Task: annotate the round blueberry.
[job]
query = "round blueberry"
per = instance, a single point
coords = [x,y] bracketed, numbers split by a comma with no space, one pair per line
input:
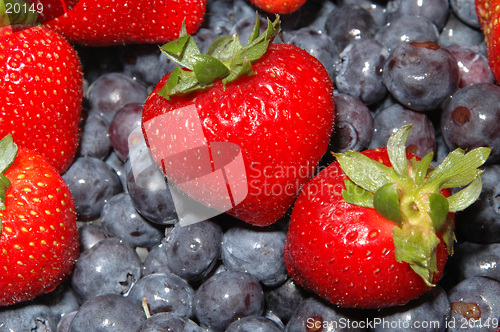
[471,119]
[90,234]
[156,260]
[314,314]
[27,317]
[254,324]
[480,222]
[347,23]
[166,321]
[359,72]
[125,120]
[466,11]
[406,29]
[353,124]
[457,32]
[108,313]
[193,250]
[429,312]
[258,251]
[421,75]
[422,137]
[474,67]
[164,292]
[94,139]
[284,299]
[110,266]
[91,182]
[435,10]
[111,91]
[475,305]
[226,297]
[120,219]
[475,260]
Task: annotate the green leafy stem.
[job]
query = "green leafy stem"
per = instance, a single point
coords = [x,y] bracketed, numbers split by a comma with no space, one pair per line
[226,59]
[13,12]
[8,153]
[409,194]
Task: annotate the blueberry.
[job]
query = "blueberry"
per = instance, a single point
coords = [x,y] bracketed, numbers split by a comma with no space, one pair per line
[193,250]
[405,29]
[376,8]
[422,137]
[474,67]
[125,120]
[148,188]
[111,91]
[114,161]
[156,261]
[435,10]
[226,297]
[166,321]
[90,234]
[471,118]
[480,222]
[353,124]
[359,72]
[61,301]
[65,322]
[120,219]
[110,266]
[258,251]
[253,324]
[475,260]
[108,313]
[317,44]
[284,299]
[314,314]
[475,305]
[91,182]
[347,23]
[466,11]
[429,312]
[421,75]
[27,316]
[94,140]
[164,292]
[457,32]
[143,63]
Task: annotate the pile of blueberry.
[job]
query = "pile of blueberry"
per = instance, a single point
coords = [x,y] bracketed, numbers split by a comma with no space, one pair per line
[393,62]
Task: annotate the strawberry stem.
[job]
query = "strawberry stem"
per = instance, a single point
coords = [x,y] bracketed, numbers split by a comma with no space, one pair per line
[409,193]
[226,59]
[16,12]
[8,152]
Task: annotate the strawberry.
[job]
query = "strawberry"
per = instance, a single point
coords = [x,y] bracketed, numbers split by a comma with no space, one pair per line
[40,93]
[279,6]
[100,23]
[488,12]
[39,238]
[274,102]
[374,229]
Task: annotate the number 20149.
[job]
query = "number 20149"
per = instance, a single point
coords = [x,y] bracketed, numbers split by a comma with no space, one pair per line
[16,8]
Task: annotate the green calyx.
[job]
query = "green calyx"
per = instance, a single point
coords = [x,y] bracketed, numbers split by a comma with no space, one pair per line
[8,152]
[409,193]
[17,12]
[226,59]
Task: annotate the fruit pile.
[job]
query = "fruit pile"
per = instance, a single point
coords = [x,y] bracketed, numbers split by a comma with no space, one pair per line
[193,166]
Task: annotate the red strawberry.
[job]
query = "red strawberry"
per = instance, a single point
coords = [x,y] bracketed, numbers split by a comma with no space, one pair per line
[39,238]
[274,103]
[98,23]
[374,229]
[488,12]
[279,6]
[40,93]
